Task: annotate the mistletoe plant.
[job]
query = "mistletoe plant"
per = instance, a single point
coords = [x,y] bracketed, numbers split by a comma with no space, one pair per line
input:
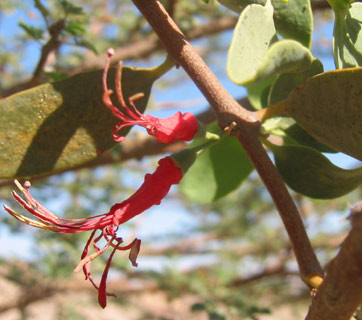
[313,111]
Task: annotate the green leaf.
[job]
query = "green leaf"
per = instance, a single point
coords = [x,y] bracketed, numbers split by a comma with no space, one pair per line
[251,58]
[43,10]
[286,83]
[64,124]
[340,5]
[258,92]
[308,172]
[198,307]
[219,170]
[294,20]
[74,28]
[239,5]
[33,32]
[213,315]
[56,75]
[252,37]
[298,134]
[86,44]
[292,133]
[280,90]
[284,56]
[70,8]
[347,37]
[329,107]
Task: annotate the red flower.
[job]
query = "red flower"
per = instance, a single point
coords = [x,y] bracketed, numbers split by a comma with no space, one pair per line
[177,127]
[154,188]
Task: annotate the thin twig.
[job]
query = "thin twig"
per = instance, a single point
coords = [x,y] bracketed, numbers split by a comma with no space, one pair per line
[227,111]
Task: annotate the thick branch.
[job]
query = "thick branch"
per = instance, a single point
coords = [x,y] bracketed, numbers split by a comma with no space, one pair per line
[227,111]
[340,294]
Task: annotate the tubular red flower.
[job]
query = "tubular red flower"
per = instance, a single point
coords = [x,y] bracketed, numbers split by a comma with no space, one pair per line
[154,188]
[177,127]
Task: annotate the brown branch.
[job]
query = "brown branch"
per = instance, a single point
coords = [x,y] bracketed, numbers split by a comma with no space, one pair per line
[340,294]
[227,111]
[52,45]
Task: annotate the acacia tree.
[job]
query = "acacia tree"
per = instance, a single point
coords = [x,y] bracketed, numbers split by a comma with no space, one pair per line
[270,55]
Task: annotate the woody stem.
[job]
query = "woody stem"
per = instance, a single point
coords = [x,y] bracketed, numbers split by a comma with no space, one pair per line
[227,110]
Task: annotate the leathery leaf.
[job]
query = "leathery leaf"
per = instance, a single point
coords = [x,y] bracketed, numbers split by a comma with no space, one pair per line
[61,125]
[293,18]
[219,170]
[252,37]
[308,172]
[347,35]
[329,107]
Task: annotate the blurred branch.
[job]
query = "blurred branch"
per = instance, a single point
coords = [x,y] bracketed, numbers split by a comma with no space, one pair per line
[52,45]
[140,49]
[150,44]
[269,270]
[340,293]
[193,246]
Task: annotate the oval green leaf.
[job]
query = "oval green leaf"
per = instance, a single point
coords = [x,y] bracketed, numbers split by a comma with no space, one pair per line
[252,37]
[299,135]
[61,125]
[219,170]
[329,107]
[293,18]
[347,36]
[292,133]
[286,83]
[239,5]
[308,172]
[258,92]
[284,56]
